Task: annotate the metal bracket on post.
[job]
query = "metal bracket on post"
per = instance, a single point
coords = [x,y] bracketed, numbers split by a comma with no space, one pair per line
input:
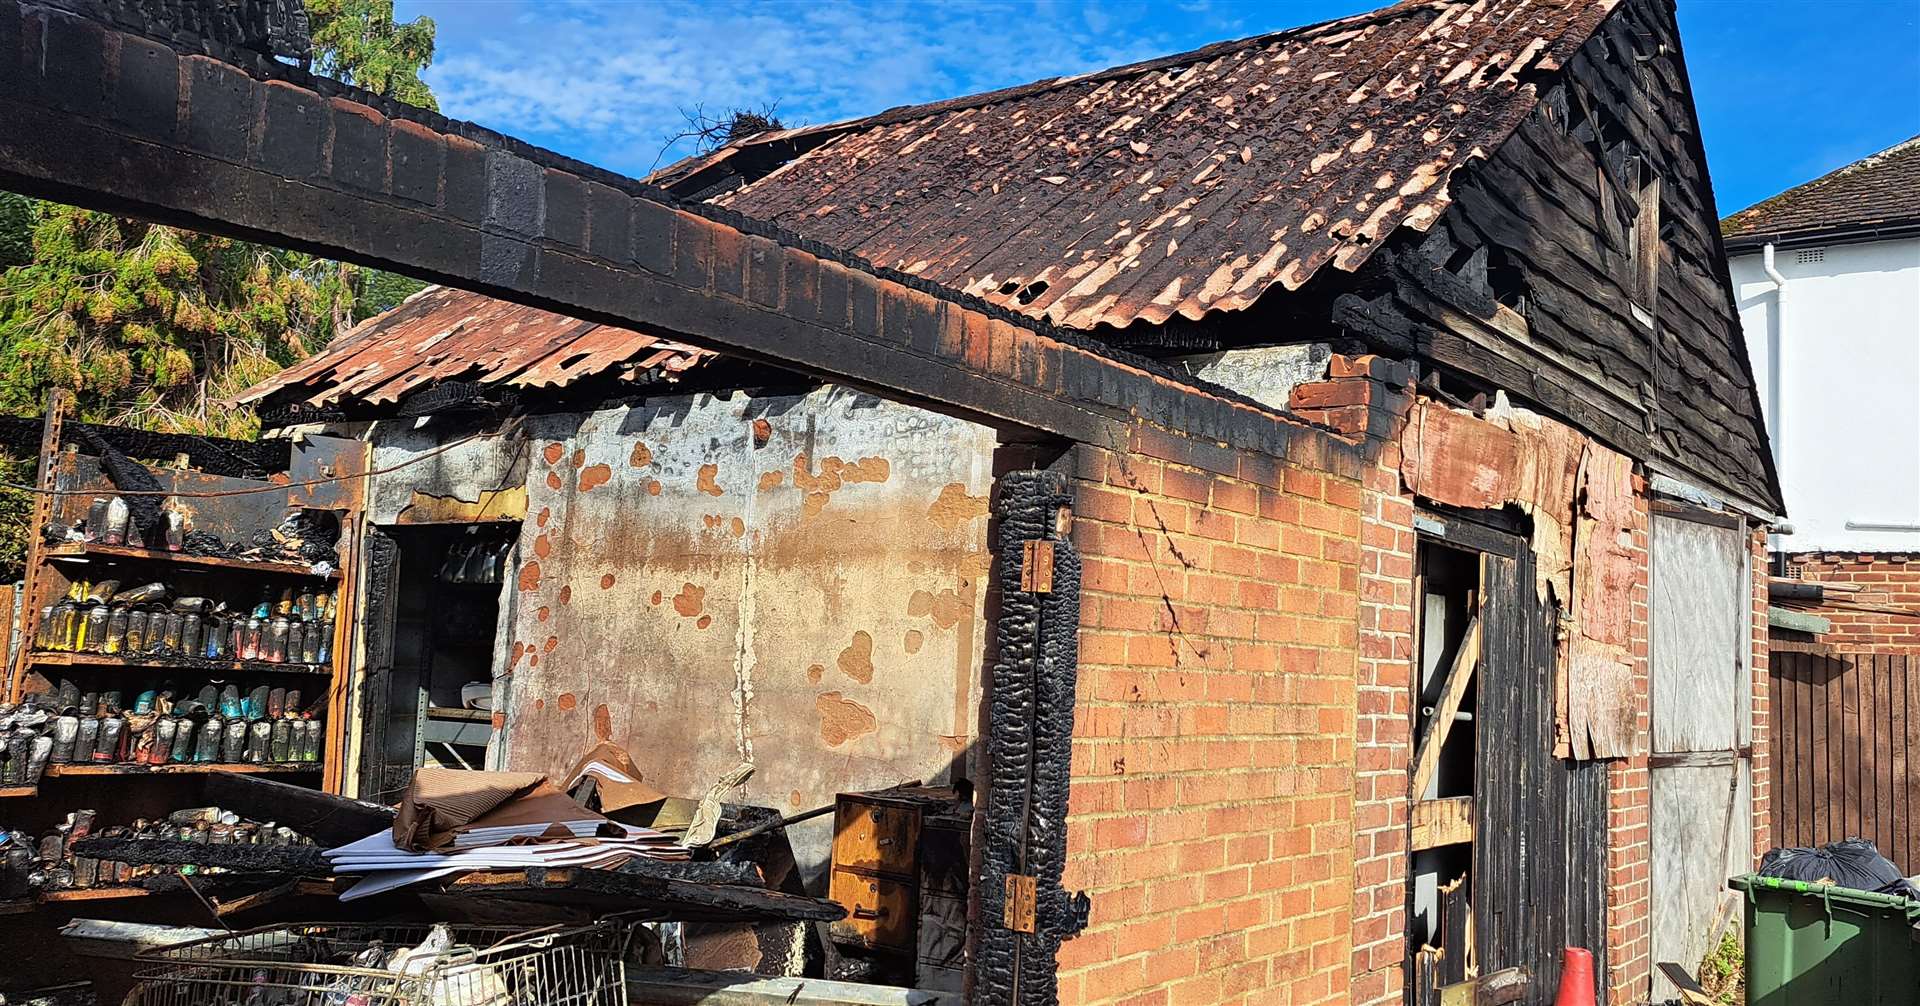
[1022,902]
[1036,566]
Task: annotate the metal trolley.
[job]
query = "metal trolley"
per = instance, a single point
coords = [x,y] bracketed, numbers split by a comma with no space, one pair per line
[344,964]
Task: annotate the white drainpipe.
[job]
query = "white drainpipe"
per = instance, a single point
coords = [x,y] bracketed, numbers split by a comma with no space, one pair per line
[1776,344]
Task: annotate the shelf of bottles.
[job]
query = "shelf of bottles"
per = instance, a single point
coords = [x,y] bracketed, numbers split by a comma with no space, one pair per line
[100,622]
[178,678]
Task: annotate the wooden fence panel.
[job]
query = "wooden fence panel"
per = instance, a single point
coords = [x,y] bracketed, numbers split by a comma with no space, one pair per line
[1845,730]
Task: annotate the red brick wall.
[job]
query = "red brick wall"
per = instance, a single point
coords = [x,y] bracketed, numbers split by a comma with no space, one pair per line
[1629,802]
[1383,736]
[1886,580]
[1212,806]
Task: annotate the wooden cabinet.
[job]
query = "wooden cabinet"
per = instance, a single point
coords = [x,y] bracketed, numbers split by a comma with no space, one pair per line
[900,868]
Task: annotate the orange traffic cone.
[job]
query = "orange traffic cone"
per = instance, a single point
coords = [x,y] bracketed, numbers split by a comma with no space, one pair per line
[1576,978]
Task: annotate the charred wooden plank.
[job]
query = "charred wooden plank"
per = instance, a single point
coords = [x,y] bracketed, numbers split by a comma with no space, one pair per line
[327,819]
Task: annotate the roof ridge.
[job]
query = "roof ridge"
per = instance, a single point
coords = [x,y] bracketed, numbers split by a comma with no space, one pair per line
[1872,160]
[1211,50]
[982,99]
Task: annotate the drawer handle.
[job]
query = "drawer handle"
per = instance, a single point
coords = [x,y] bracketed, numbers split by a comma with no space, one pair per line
[870,913]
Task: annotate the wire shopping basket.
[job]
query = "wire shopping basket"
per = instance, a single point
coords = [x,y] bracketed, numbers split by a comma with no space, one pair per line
[359,964]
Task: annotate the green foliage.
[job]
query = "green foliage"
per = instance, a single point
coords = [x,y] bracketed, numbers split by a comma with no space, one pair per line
[1724,973]
[359,42]
[157,327]
[16,230]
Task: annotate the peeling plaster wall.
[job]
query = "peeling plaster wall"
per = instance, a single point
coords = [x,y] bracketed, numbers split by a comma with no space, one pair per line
[793,581]
[479,479]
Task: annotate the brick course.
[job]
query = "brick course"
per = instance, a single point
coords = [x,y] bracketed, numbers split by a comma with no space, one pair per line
[1887,580]
[1212,809]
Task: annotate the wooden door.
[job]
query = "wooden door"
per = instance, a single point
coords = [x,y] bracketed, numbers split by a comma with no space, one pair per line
[1701,815]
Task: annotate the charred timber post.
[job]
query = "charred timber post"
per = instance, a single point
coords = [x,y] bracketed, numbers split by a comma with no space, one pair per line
[1029,744]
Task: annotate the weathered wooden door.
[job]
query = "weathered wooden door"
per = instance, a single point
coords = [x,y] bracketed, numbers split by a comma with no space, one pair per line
[1701,821]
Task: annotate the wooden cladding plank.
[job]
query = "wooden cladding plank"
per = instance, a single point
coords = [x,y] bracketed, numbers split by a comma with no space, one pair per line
[1427,759]
[1906,771]
[1447,821]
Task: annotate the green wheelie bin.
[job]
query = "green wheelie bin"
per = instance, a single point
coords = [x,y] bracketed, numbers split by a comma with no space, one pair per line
[1820,945]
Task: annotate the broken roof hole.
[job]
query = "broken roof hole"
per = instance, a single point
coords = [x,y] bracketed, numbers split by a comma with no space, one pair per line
[1032,291]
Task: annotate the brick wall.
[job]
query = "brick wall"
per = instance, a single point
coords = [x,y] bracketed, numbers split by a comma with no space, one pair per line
[1383,736]
[1629,804]
[1886,580]
[1212,809]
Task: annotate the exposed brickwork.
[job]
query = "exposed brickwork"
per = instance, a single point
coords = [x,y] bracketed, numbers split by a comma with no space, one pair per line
[1887,580]
[1212,815]
[1630,806]
[1383,735]
[1362,396]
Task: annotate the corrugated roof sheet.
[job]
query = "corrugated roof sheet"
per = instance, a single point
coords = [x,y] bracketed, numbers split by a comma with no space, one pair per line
[1183,185]
[1871,192]
[442,334]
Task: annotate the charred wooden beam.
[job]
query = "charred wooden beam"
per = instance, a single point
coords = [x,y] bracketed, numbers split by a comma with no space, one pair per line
[327,819]
[20,436]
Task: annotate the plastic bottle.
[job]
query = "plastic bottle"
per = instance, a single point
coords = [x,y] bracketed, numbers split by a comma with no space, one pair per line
[116,523]
[164,730]
[170,641]
[259,742]
[277,640]
[97,518]
[94,635]
[310,643]
[234,748]
[137,628]
[176,529]
[182,741]
[116,630]
[208,747]
[250,649]
[191,642]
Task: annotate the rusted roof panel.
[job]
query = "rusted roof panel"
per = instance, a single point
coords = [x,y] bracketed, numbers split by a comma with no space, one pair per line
[1187,184]
[442,334]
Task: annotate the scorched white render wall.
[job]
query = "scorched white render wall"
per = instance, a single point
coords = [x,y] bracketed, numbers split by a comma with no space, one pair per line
[1844,414]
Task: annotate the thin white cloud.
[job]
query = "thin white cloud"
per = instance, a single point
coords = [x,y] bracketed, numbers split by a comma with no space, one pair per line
[607,82]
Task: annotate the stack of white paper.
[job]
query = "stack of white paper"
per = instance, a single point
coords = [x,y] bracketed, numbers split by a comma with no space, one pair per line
[505,847]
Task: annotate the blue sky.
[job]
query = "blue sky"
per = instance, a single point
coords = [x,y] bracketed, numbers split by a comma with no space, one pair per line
[1787,90]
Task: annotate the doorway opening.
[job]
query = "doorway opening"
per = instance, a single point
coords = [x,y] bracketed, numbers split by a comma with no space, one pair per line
[430,687]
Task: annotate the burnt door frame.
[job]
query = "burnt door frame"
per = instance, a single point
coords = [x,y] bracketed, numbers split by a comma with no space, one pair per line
[1023,912]
[1539,870]
[380,577]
